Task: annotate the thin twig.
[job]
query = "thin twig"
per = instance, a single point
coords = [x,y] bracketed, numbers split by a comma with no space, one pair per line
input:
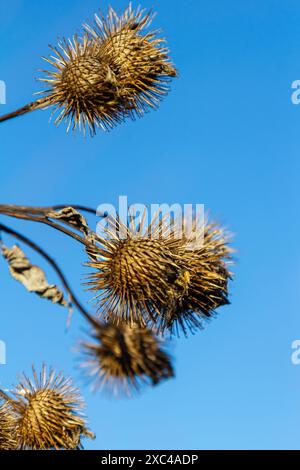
[44,220]
[45,209]
[40,103]
[43,213]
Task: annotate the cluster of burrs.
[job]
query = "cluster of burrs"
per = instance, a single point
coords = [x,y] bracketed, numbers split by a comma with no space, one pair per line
[148,280]
[116,69]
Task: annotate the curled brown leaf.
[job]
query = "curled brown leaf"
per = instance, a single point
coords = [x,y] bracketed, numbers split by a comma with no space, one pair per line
[32,277]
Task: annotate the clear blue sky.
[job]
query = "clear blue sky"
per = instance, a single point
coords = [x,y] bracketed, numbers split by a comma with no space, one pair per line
[227,137]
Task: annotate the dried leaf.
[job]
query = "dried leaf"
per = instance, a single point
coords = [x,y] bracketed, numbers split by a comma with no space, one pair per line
[32,277]
[72,217]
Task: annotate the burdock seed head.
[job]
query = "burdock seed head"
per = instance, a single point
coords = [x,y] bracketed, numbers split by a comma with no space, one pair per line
[137,58]
[48,412]
[161,279]
[82,87]
[202,283]
[114,71]
[133,271]
[8,438]
[124,357]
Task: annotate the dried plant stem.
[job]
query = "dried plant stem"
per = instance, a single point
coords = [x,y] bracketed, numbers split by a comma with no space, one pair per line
[54,265]
[39,214]
[44,220]
[40,103]
[42,210]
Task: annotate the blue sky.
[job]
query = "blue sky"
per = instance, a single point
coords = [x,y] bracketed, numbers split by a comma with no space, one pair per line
[227,137]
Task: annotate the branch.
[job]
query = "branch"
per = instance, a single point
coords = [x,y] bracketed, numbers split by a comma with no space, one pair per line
[43,220]
[45,209]
[42,215]
[40,103]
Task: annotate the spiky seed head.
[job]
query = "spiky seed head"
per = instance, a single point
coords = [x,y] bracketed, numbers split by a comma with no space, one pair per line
[138,58]
[114,71]
[202,283]
[8,438]
[124,357]
[133,272]
[48,412]
[161,279]
[82,87]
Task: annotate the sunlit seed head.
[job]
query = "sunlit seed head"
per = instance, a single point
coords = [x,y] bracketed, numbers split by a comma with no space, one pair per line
[115,70]
[167,283]
[131,276]
[139,58]
[48,412]
[202,284]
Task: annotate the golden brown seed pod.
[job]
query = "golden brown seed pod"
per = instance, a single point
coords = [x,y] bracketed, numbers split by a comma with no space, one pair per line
[124,357]
[137,58]
[48,412]
[114,71]
[133,270]
[82,87]
[162,278]
[8,438]
[202,283]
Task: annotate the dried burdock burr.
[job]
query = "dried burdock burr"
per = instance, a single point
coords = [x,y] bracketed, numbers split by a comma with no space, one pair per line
[82,87]
[137,59]
[48,413]
[132,271]
[8,438]
[161,278]
[125,357]
[115,70]
[202,282]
